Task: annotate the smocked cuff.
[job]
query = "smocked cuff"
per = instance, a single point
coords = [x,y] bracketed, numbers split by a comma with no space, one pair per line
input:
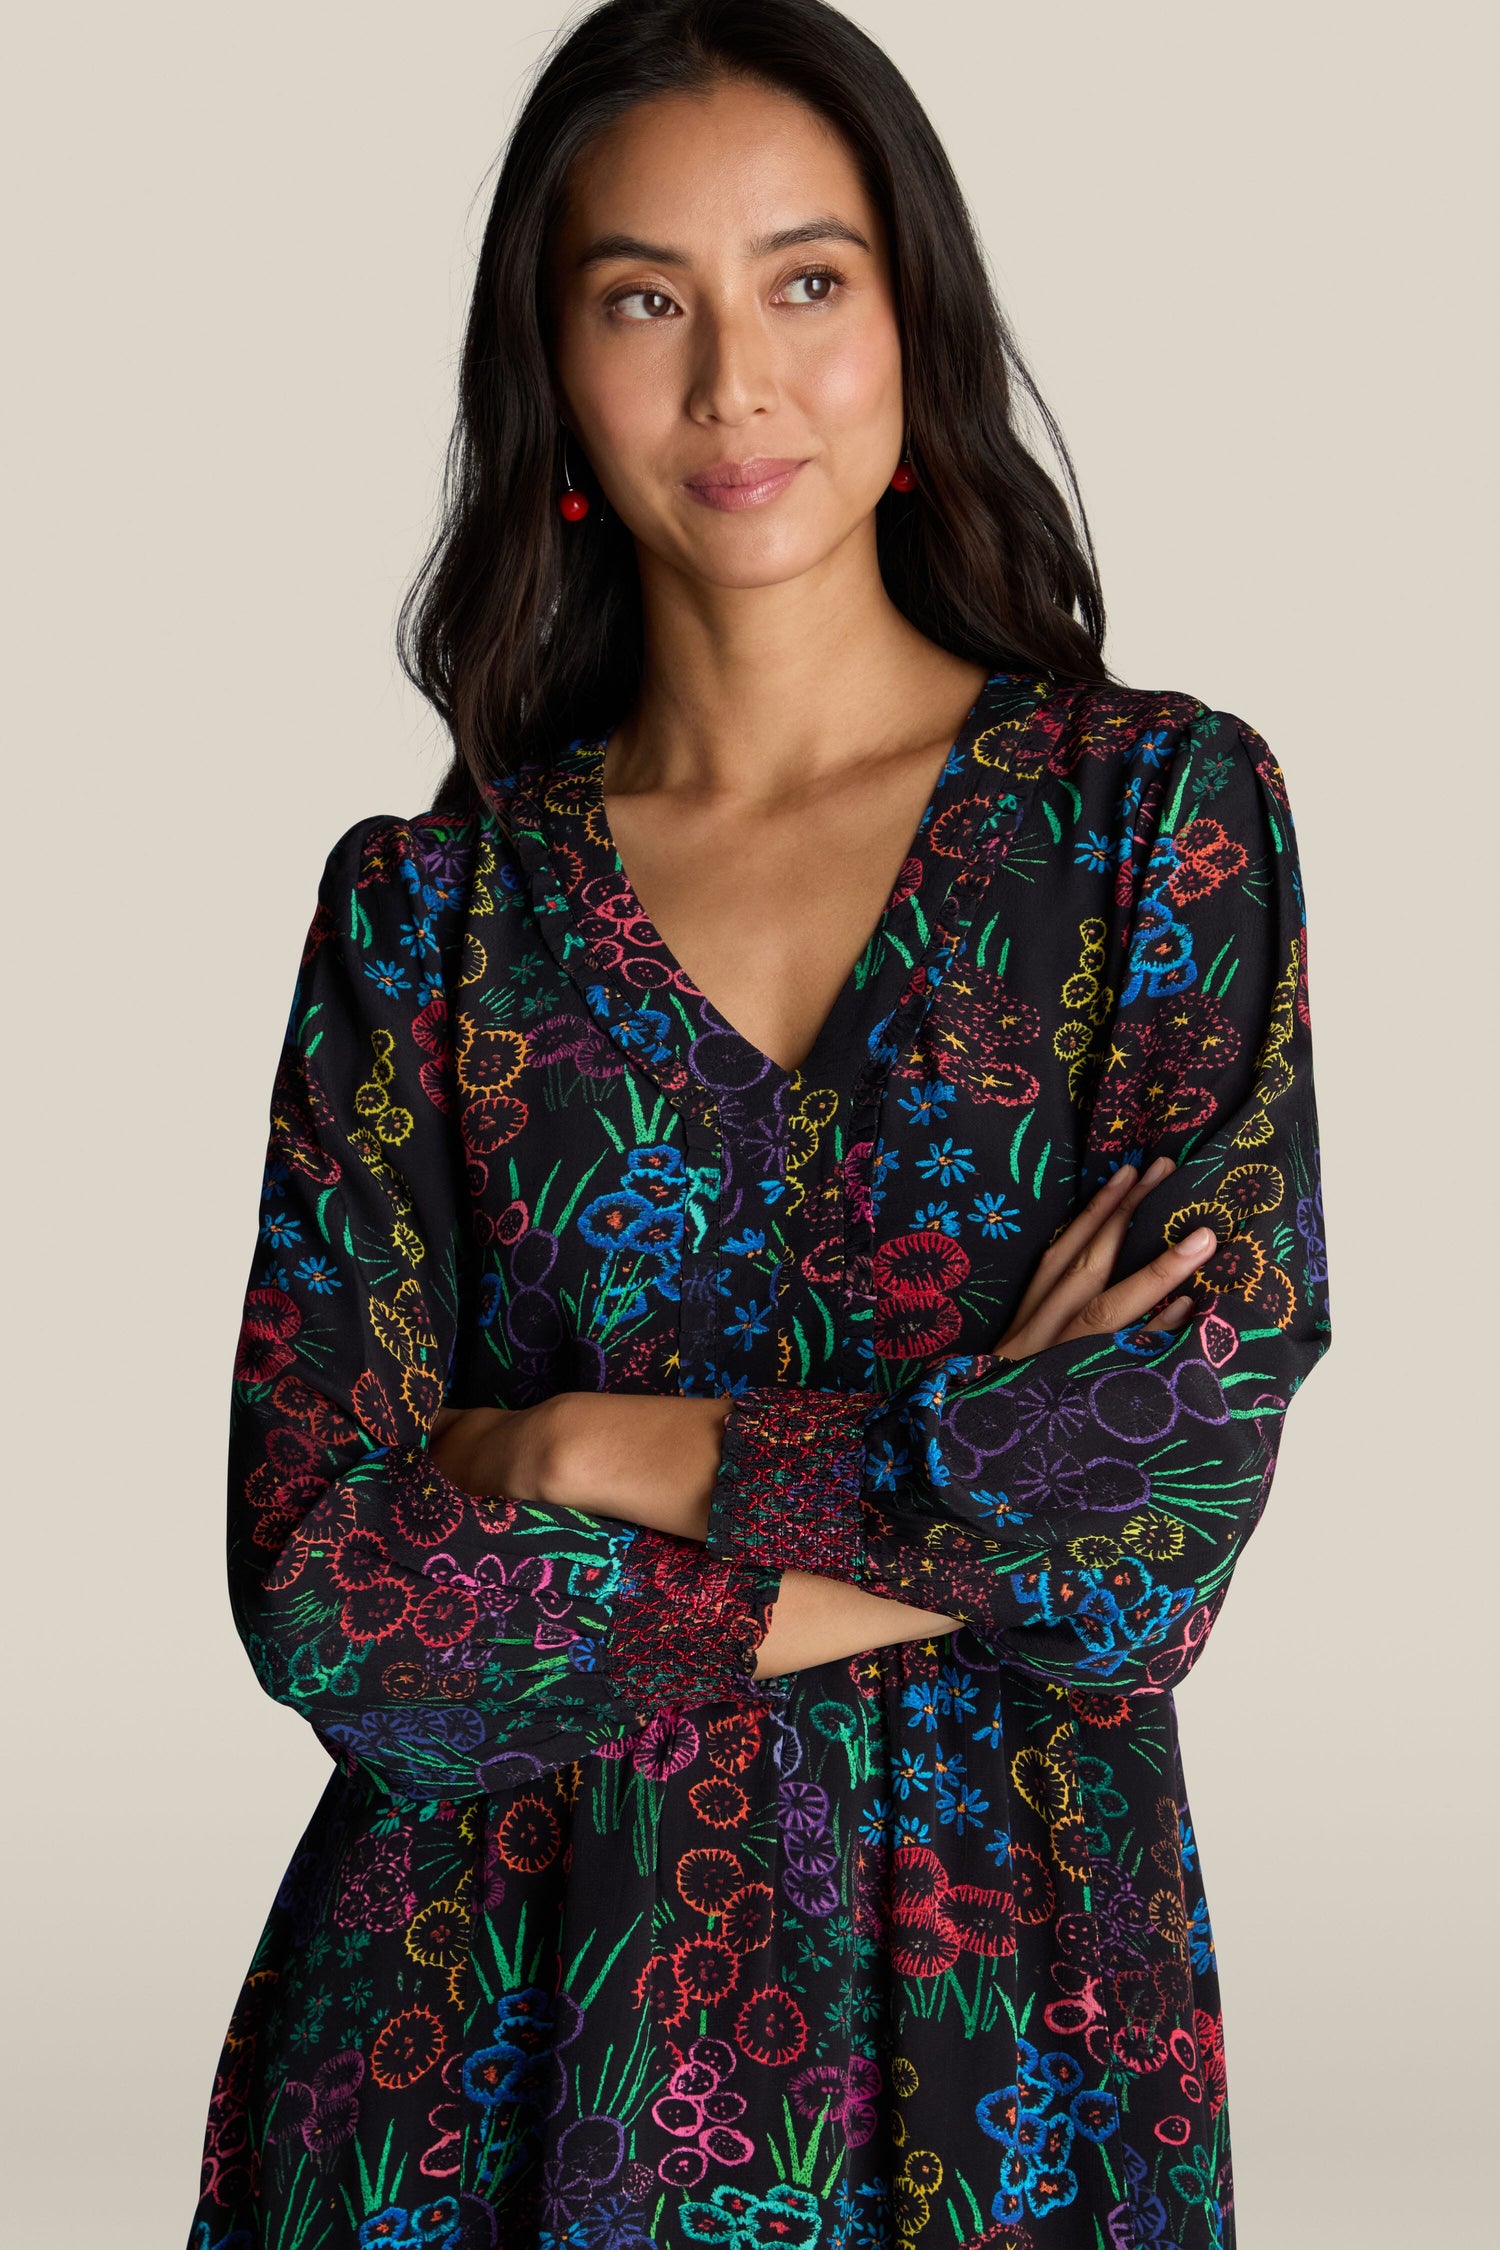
[687,1626]
[787,1495]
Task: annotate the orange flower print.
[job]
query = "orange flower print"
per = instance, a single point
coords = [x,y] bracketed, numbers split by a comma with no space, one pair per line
[406,2048]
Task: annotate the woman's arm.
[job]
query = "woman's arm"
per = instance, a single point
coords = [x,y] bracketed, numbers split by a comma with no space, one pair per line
[448,1643]
[1082,1507]
[653,1460]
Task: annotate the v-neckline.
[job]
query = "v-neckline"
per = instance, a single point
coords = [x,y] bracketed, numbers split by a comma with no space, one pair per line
[617,954]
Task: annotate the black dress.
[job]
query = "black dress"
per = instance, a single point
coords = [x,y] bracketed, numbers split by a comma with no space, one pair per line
[592,1940]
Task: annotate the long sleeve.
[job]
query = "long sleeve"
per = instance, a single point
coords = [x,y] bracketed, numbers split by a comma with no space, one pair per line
[1082,1507]
[448,1644]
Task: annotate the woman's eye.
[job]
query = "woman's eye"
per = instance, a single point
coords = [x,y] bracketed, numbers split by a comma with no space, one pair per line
[821,280]
[654,298]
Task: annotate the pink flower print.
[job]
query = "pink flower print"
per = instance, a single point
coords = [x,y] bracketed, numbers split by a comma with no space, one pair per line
[375,1886]
[666,1746]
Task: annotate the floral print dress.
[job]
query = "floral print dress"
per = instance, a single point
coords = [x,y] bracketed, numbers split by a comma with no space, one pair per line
[593,1940]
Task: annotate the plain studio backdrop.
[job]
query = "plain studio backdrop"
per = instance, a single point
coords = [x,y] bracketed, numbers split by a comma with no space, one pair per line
[1244,250]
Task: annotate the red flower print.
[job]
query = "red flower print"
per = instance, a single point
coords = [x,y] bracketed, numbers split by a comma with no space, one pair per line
[927,1948]
[360,1558]
[926,1260]
[985,1920]
[718,1801]
[372,1404]
[316,1416]
[1139,2046]
[658,1990]
[492,1121]
[908,881]
[919,1881]
[749,1918]
[375,1611]
[271,1318]
[1031,1885]
[969,1037]
[1210,2030]
[1205,857]
[912,1273]
[709,1969]
[406,2048]
[911,1323]
[528,1835]
[445,1617]
[427,1509]
[1099,1710]
[270,1315]
[770,2027]
[709,1878]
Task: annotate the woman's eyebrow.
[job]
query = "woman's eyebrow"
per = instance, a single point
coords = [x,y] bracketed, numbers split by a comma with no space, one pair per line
[607,246]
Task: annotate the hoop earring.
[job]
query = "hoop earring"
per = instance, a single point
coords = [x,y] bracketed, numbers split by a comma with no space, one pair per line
[572,503]
[904,475]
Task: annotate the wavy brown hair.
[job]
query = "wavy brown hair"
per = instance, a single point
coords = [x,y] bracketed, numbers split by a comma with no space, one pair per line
[523,629]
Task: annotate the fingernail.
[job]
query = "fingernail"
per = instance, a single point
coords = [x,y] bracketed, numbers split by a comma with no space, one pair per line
[1198,1243]
[1156,1167]
[1123,1172]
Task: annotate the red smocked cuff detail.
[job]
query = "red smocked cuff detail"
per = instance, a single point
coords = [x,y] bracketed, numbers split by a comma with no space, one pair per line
[787,1494]
[687,1624]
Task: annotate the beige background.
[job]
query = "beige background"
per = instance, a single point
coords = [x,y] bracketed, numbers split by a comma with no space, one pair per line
[1243,247]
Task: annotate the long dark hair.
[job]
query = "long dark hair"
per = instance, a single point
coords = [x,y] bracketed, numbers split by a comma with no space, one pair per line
[520,625]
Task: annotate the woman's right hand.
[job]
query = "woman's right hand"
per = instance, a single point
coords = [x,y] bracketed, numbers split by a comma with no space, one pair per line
[1071,1293]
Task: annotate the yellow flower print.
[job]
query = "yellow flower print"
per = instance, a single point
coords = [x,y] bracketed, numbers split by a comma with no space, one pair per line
[407,1243]
[372,1099]
[909,2207]
[1070,1847]
[1169,1918]
[1153,1536]
[438,1937]
[1043,1781]
[488,1061]
[1095,1551]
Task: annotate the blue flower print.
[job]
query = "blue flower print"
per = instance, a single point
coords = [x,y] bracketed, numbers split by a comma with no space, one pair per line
[1161,954]
[786,2218]
[925,1103]
[319,1275]
[389,976]
[995,1218]
[946,1164]
[936,1218]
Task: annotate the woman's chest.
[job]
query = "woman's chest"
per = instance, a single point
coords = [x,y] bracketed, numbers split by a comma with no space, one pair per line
[635,1231]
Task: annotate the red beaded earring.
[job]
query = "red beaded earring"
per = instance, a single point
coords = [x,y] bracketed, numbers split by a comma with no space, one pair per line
[572,503]
[904,476]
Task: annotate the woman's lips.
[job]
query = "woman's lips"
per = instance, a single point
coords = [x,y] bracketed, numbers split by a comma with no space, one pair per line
[742,484]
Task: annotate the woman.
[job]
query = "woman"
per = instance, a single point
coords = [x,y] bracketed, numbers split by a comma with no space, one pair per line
[791,1225]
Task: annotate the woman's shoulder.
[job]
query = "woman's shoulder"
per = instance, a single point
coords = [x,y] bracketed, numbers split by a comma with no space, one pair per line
[403,882]
[382,848]
[1124,738]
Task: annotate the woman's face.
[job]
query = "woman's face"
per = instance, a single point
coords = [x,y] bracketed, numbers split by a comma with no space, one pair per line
[687,338]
